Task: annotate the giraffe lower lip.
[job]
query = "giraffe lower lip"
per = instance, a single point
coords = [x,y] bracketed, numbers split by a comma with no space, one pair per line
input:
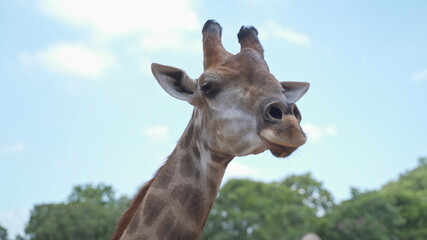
[279,150]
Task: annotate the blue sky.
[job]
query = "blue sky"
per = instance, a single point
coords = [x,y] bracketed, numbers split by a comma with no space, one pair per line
[78,103]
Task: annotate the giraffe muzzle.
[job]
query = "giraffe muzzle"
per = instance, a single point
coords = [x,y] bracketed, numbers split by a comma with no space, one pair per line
[280,130]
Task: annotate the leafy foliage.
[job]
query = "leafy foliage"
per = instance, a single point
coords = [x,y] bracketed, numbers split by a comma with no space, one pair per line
[98,195]
[312,192]
[299,204]
[397,211]
[90,213]
[247,209]
[366,216]
[3,233]
[409,195]
[256,210]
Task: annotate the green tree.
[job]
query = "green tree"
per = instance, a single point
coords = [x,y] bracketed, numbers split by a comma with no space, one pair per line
[254,210]
[366,216]
[98,195]
[311,191]
[397,211]
[3,233]
[409,195]
[19,237]
[90,213]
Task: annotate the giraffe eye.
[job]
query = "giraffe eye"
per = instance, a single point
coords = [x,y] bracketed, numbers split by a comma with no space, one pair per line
[209,90]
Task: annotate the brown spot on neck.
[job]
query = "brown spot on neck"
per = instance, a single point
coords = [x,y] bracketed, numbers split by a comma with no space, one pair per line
[172,228]
[193,202]
[129,214]
[153,206]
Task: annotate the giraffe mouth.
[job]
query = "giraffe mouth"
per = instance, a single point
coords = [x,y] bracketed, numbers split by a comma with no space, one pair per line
[278,150]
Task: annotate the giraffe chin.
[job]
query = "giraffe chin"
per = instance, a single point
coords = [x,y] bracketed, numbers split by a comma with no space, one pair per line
[279,150]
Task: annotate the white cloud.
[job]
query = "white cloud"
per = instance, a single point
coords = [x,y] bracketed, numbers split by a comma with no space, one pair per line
[12,149]
[319,132]
[125,16]
[238,170]
[275,30]
[157,133]
[71,59]
[148,26]
[159,24]
[420,76]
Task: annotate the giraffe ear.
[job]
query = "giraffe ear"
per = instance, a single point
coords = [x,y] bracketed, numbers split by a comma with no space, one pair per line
[295,90]
[175,81]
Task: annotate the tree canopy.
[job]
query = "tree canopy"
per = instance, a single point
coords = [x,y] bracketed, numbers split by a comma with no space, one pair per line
[90,213]
[3,233]
[397,211]
[300,204]
[247,209]
[255,210]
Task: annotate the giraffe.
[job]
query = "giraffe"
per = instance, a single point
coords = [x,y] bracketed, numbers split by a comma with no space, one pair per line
[240,108]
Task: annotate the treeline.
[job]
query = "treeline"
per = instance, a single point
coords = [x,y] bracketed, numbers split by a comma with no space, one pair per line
[247,209]
[300,204]
[90,212]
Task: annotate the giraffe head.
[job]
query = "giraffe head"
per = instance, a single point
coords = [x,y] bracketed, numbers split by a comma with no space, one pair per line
[241,107]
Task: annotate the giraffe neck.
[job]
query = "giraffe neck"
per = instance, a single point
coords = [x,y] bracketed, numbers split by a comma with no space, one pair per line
[178,200]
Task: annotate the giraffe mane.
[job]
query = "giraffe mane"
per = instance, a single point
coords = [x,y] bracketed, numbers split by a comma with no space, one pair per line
[127,216]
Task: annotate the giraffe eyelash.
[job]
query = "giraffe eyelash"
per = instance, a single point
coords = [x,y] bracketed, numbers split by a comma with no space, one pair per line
[209,90]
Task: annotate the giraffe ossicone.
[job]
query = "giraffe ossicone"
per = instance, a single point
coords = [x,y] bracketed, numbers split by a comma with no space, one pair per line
[240,108]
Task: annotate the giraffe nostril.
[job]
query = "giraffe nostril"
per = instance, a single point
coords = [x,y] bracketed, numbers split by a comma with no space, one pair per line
[275,113]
